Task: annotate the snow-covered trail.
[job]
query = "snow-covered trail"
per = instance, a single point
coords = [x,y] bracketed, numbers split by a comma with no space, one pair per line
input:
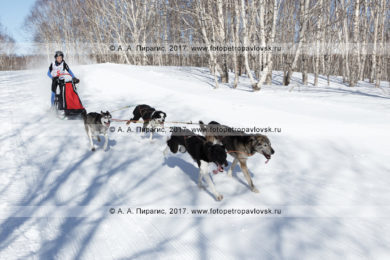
[332,152]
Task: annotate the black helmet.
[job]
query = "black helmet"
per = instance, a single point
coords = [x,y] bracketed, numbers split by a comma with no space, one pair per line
[59,53]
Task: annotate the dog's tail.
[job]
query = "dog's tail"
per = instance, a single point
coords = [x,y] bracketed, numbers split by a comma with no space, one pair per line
[202,126]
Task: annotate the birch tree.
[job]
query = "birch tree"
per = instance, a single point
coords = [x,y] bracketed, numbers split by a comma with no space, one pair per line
[304,7]
[355,52]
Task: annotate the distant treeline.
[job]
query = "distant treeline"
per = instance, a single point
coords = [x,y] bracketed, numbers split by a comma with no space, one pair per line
[15,62]
[349,38]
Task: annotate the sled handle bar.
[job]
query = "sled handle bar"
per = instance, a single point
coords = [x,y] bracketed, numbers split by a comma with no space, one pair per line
[64,74]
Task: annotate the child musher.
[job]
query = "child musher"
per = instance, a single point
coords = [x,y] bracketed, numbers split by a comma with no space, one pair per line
[57,68]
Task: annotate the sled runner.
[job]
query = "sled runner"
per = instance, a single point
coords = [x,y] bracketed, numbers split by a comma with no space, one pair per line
[67,102]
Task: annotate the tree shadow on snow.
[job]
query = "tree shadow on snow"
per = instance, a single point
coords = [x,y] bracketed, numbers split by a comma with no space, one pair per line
[61,170]
[189,169]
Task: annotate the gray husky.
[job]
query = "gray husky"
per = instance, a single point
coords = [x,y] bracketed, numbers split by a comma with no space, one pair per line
[96,124]
[239,145]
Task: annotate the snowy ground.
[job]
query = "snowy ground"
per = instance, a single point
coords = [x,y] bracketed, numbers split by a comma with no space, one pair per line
[329,175]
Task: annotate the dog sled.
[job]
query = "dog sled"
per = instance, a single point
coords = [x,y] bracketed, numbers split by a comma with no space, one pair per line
[67,101]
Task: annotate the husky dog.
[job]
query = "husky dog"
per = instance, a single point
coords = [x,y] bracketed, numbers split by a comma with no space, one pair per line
[96,124]
[238,144]
[152,118]
[201,151]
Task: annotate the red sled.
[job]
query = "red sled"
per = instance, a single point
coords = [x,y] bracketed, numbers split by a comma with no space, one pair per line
[69,99]
[72,100]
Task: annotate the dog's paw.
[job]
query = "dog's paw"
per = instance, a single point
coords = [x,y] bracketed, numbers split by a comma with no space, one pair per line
[255,190]
[219,197]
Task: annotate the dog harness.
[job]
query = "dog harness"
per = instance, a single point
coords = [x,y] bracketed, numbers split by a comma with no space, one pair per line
[142,111]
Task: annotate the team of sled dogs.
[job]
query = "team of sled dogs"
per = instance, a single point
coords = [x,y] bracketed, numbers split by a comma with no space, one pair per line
[212,147]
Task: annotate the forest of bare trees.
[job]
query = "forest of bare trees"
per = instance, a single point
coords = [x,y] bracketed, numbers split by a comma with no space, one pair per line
[7,50]
[349,38]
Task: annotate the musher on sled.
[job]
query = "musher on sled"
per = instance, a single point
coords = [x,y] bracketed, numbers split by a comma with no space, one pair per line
[67,99]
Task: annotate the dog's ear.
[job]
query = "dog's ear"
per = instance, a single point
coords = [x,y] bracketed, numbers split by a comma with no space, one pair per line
[101,112]
[107,112]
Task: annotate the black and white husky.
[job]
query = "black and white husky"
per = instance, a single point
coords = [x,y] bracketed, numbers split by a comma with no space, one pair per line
[201,151]
[152,118]
[96,124]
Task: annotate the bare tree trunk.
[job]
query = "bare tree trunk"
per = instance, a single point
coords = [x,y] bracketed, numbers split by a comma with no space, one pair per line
[364,30]
[235,28]
[375,42]
[267,73]
[381,45]
[346,41]
[319,42]
[212,61]
[304,5]
[304,69]
[355,55]
[221,31]
[304,19]
[245,32]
